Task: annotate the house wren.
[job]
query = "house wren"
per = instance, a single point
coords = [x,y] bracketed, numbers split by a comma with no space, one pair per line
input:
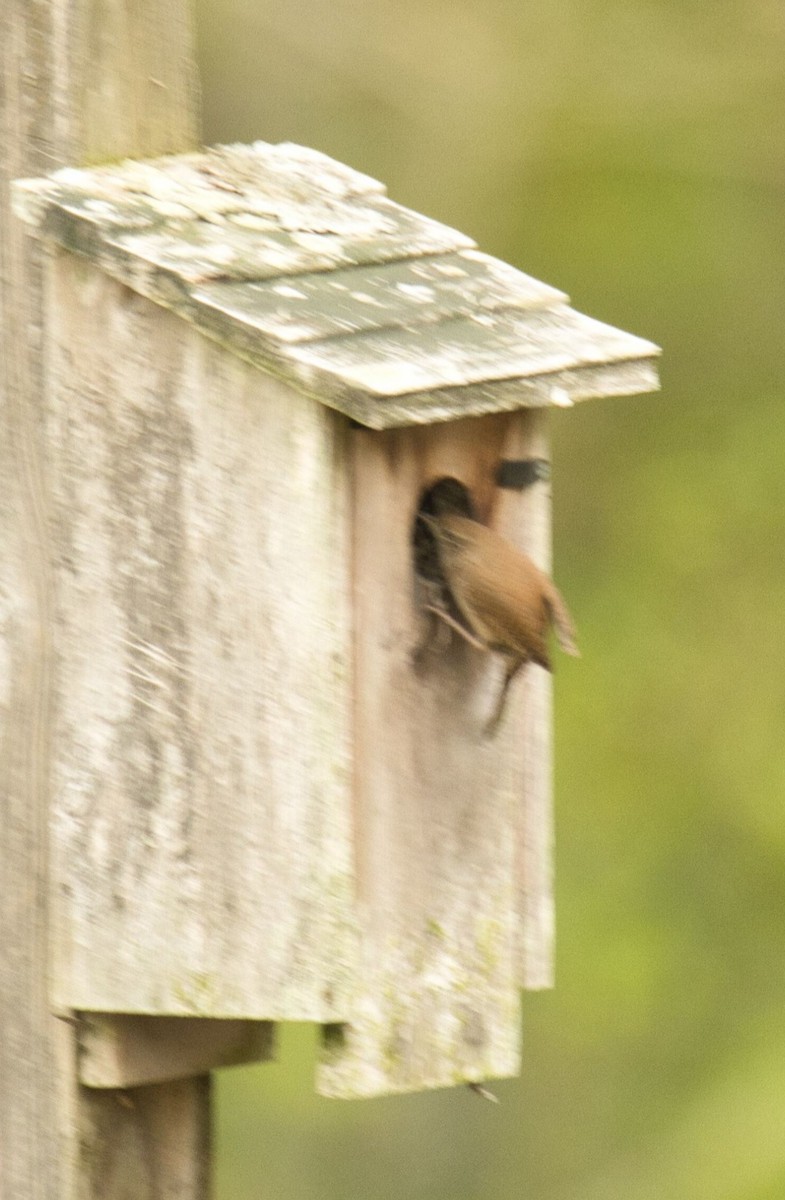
[507,603]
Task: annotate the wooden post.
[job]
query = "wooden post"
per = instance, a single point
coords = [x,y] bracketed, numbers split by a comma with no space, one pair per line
[80,83]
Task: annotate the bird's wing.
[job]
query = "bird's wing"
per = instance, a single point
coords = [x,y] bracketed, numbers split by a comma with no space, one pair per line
[510,607]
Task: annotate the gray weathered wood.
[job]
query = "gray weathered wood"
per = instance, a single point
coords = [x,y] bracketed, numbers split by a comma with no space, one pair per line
[459,354]
[301,266]
[413,291]
[481,348]
[525,519]
[560,389]
[202,852]
[76,86]
[120,1050]
[236,212]
[438,804]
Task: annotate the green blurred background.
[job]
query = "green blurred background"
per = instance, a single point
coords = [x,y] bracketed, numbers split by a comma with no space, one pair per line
[633,154]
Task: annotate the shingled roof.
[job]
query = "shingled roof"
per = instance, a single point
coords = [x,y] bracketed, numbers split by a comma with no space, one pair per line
[307,269]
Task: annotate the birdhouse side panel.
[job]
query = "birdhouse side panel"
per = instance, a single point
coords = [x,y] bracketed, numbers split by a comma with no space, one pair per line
[201,853]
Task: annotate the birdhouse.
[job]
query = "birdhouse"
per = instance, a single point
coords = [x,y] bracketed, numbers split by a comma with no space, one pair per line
[277,796]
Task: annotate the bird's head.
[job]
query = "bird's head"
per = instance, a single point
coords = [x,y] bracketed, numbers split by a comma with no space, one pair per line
[453,532]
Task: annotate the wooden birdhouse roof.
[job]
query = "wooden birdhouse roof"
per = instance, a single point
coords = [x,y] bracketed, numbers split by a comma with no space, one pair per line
[307,269]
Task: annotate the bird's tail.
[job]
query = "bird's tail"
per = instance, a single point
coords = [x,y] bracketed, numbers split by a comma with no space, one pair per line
[562,621]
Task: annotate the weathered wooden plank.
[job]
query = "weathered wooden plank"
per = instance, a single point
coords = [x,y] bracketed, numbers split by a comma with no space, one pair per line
[403,294]
[437,802]
[370,229]
[560,389]
[201,770]
[525,519]
[481,348]
[175,220]
[268,185]
[118,1050]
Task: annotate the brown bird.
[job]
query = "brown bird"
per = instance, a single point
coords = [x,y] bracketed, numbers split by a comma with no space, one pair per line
[506,601]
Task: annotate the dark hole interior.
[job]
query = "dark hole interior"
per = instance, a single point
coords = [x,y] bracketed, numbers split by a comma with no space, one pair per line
[445,495]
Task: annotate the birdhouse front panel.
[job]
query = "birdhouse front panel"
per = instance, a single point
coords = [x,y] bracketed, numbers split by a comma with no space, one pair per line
[452,825]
